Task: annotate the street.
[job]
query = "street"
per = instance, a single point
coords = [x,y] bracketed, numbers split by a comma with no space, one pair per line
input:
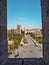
[29,50]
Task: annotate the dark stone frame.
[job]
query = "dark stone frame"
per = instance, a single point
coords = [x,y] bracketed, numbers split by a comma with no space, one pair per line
[4,60]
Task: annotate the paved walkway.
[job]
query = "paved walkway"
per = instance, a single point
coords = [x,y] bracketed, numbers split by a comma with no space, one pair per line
[29,50]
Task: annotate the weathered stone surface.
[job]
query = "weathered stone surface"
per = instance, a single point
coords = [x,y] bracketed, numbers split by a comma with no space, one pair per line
[26,61]
[34,61]
[4,2]
[45,26]
[3,38]
[14,61]
[3,16]
[3,33]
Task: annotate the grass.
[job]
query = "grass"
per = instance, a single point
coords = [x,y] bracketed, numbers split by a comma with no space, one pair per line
[38,39]
[25,41]
[16,38]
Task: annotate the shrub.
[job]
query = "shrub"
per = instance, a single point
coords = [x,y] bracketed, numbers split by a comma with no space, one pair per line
[25,41]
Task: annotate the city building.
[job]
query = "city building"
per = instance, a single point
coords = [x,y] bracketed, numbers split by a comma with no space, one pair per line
[18,29]
[37,32]
[27,31]
[11,31]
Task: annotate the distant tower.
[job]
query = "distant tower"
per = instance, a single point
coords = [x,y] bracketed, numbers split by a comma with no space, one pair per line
[19,28]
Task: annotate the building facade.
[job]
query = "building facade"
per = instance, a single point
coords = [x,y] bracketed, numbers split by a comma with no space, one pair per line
[18,29]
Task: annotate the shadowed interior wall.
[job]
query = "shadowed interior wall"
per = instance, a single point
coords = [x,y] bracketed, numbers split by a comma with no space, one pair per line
[45,26]
[3,32]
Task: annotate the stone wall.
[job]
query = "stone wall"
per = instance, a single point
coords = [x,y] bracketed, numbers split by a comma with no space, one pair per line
[3,35]
[3,32]
[45,26]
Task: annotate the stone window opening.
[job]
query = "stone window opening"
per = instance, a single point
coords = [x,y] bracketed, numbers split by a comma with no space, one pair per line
[4,60]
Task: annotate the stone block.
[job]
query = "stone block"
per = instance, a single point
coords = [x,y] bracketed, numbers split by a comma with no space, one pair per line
[14,61]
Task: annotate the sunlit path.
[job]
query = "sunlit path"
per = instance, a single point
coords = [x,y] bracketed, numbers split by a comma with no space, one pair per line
[29,50]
